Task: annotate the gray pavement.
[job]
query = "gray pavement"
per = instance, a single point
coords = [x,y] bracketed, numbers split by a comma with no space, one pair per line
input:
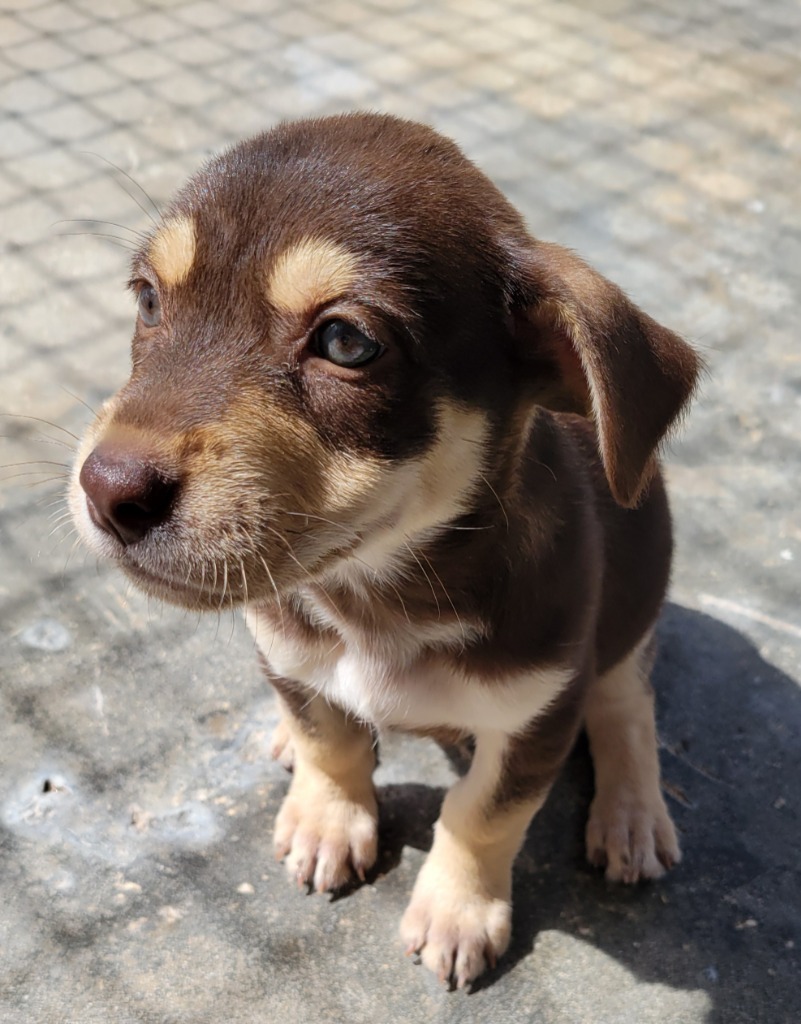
[137,885]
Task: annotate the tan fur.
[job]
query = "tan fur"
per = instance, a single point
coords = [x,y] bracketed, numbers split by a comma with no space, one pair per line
[422,495]
[629,828]
[310,273]
[328,823]
[172,250]
[460,912]
[321,480]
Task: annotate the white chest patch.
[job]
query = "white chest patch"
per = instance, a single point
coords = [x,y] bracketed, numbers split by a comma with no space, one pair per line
[431,694]
[425,693]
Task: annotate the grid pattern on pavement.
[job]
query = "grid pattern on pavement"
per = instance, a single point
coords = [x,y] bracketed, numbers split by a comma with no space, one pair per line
[661,140]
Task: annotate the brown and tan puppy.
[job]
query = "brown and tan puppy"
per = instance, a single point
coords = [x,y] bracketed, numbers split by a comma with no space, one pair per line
[419,447]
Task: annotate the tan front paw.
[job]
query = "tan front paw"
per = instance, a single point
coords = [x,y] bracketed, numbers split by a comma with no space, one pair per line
[457,926]
[632,836]
[324,833]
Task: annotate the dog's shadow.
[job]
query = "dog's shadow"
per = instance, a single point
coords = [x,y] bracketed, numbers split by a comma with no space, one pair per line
[727,918]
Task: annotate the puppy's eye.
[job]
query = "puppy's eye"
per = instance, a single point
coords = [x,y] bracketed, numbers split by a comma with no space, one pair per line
[343,344]
[149,306]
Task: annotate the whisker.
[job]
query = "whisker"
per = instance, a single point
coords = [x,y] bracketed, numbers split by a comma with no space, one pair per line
[58,526]
[233,616]
[121,243]
[60,499]
[140,235]
[36,462]
[40,500]
[490,527]
[447,595]
[33,472]
[79,399]
[38,440]
[225,580]
[202,580]
[244,582]
[51,548]
[213,588]
[383,581]
[303,568]
[136,185]
[428,578]
[38,419]
[321,519]
[505,516]
[66,537]
[389,583]
[352,536]
[277,595]
[70,553]
[34,483]
[57,518]
[542,465]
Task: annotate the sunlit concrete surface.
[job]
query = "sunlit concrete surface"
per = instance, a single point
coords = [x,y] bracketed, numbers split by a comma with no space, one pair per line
[137,883]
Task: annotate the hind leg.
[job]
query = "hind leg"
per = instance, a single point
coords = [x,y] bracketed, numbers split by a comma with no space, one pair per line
[629,832]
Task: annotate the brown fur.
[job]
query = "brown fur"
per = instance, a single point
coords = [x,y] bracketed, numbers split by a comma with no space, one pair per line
[465,536]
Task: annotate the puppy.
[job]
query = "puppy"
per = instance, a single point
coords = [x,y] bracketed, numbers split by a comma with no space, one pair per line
[419,447]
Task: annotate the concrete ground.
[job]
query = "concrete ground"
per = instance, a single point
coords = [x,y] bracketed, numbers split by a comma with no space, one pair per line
[660,139]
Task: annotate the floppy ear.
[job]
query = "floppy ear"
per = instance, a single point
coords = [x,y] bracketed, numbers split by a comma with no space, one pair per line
[621,368]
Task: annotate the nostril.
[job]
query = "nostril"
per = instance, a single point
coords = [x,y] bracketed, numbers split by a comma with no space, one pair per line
[127,492]
[150,507]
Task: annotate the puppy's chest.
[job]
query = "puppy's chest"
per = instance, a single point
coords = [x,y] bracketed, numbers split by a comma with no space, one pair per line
[398,689]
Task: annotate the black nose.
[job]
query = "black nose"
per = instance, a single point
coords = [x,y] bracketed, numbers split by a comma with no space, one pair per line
[127,493]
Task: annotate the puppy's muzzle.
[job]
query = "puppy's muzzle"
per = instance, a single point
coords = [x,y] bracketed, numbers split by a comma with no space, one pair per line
[127,492]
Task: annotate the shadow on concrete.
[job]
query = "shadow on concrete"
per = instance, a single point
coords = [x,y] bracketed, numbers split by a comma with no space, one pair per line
[728,918]
[198,902]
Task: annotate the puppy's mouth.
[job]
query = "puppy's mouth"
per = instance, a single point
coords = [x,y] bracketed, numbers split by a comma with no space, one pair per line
[205,570]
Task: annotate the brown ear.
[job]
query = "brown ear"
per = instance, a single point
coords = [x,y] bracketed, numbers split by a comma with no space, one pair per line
[632,376]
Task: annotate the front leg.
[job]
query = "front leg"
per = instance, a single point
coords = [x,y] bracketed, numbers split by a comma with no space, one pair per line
[459,917]
[327,827]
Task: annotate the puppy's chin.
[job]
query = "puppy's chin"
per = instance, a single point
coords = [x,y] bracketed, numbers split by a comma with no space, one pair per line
[213,587]
[183,594]
[208,590]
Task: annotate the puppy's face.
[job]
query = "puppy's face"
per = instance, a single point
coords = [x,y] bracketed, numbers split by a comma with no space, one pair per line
[304,367]
[332,322]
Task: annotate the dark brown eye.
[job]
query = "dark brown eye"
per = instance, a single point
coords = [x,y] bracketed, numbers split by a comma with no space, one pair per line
[345,345]
[149,306]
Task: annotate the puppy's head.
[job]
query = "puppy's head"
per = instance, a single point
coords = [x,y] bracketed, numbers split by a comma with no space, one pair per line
[341,327]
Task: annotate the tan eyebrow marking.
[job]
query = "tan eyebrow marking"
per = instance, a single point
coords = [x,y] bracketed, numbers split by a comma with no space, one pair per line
[309,273]
[172,250]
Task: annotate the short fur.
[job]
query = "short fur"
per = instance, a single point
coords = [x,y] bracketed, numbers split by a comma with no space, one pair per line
[466,536]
